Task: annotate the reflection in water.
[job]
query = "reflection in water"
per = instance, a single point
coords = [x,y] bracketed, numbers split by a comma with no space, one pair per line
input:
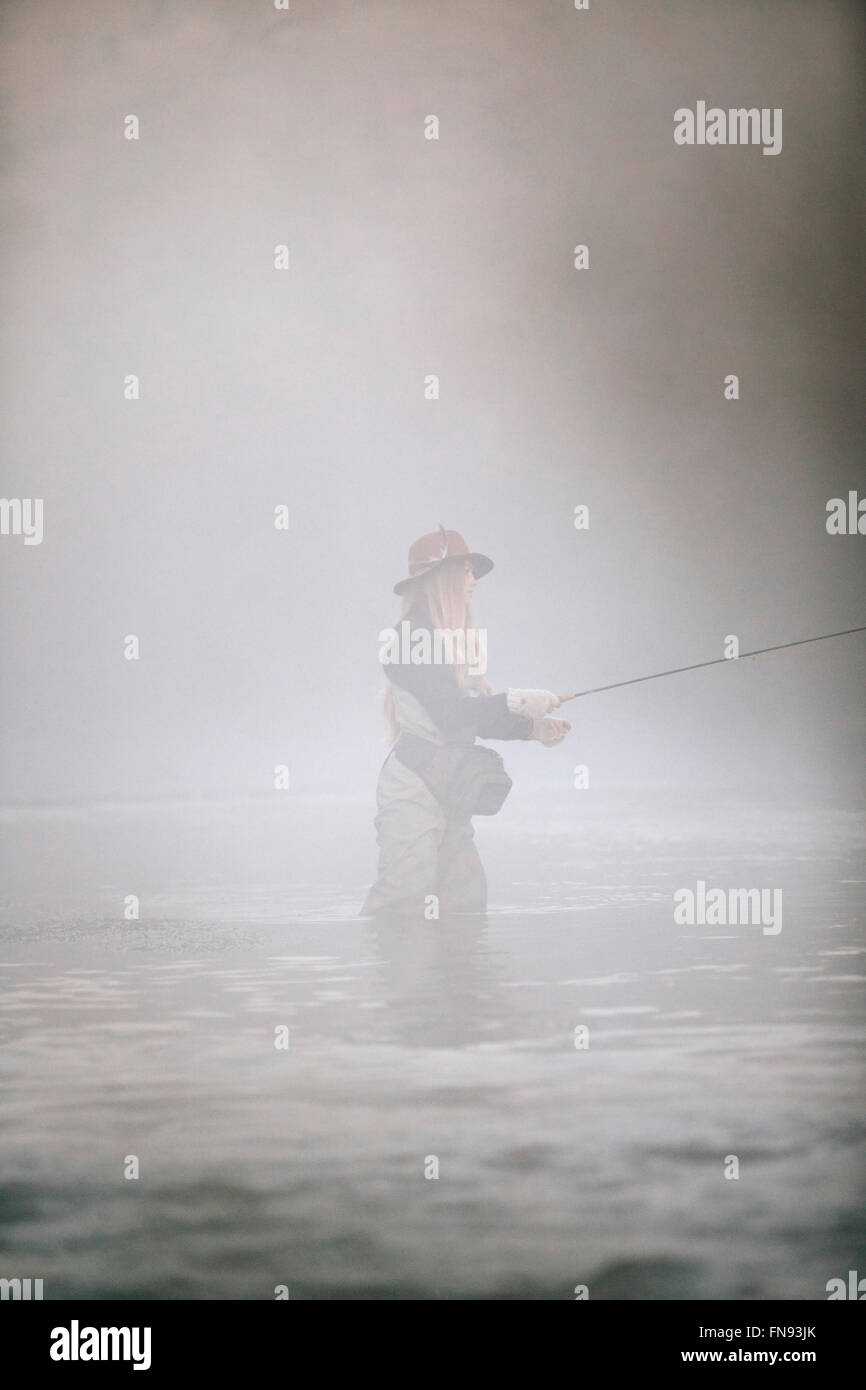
[441,981]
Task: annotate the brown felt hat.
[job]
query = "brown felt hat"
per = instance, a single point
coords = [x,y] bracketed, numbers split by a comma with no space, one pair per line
[436,549]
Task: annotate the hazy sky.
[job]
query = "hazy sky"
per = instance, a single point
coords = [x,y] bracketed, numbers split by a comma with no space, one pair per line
[305,386]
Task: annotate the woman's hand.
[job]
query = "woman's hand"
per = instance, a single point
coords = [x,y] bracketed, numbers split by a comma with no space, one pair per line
[550,731]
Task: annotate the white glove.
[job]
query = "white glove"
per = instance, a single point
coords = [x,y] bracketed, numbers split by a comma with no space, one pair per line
[532,703]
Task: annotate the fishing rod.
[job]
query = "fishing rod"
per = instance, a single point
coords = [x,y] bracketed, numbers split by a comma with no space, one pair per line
[718,661]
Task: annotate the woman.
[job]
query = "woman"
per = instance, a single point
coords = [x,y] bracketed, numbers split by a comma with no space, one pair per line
[431,783]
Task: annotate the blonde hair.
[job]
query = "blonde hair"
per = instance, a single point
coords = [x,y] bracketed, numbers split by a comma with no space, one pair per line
[441,591]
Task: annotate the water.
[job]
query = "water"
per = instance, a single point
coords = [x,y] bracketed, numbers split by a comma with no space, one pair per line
[306,1168]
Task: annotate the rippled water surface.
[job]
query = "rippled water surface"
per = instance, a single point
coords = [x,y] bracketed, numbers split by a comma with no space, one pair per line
[558,1166]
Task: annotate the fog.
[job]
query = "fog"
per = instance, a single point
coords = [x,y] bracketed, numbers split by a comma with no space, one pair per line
[585,1059]
[305,387]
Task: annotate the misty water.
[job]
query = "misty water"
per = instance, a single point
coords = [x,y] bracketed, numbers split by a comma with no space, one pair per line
[305,1167]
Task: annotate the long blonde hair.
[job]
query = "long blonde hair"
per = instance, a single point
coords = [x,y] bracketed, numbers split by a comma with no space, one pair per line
[442,592]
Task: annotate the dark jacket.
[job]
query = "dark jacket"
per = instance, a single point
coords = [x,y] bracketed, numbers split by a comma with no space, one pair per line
[455,712]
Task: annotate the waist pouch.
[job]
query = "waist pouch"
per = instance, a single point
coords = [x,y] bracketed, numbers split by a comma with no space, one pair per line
[465,779]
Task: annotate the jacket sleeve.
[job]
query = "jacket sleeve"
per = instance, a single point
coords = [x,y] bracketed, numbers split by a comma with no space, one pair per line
[453,710]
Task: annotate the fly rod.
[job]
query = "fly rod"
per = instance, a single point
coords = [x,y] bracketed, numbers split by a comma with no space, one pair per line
[718,661]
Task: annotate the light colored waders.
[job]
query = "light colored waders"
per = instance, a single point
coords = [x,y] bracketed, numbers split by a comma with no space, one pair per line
[422,850]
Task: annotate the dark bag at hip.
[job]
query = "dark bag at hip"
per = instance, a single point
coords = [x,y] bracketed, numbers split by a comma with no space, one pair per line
[467,780]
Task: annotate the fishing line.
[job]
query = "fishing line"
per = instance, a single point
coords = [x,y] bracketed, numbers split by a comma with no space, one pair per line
[718,661]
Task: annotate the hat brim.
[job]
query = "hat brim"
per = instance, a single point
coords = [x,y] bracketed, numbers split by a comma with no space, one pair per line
[481,565]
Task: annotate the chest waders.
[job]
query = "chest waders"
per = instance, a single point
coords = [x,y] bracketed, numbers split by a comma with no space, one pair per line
[426,849]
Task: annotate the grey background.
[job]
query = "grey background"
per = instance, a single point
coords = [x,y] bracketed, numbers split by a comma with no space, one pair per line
[306,387]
